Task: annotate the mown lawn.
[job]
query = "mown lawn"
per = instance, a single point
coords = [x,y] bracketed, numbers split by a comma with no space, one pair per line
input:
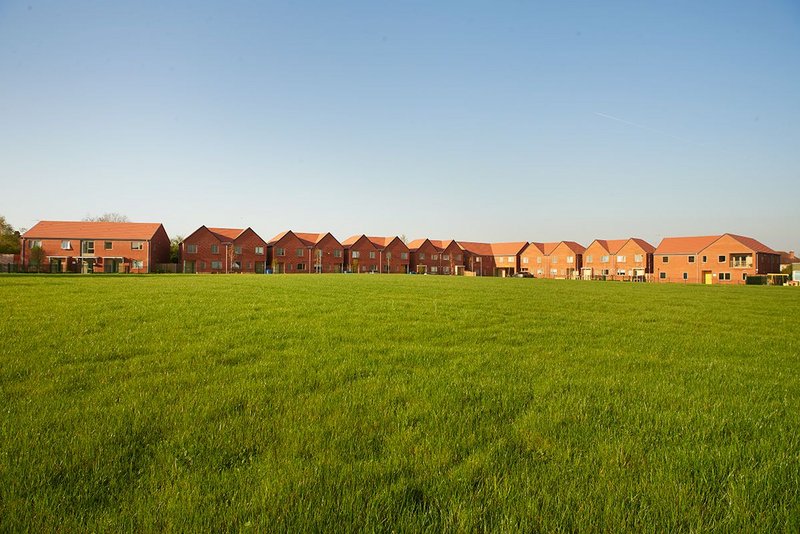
[401,403]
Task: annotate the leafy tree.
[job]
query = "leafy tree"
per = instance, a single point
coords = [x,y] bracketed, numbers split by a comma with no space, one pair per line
[37,258]
[175,248]
[107,217]
[9,238]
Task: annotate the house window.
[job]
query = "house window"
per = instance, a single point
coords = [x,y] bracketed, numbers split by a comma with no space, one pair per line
[434,257]
[744,276]
[191,249]
[620,259]
[525,261]
[570,259]
[280,252]
[422,255]
[554,260]
[138,264]
[388,255]
[202,265]
[372,254]
[446,269]
[216,264]
[510,259]
[722,259]
[724,276]
[604,272]
[691,259]
[500,260]
[662,276]
[373,268]
[685,276]
[260,250]
[620,272]
[477,259]
[36,243]
[337,253]
[589,258]
[299,252]
[66,245]
[355,254]
[553,272]
[434,269]
[136,245]
[446,257]
[637,258]
[237,250]
[215,249]
[741,260]
[603,259]
[665,259]
[301,266]
[404,255]
[88,247]
[705,259]
[539,260]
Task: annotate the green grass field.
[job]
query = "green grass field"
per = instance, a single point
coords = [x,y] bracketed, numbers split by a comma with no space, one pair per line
[402,403]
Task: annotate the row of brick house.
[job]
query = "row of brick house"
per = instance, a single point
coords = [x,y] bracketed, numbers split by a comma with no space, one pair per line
[139,247]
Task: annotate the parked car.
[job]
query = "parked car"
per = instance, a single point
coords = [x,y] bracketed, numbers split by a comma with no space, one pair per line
[524,274]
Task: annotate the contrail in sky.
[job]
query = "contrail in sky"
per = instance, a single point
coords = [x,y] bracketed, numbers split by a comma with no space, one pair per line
[629,123]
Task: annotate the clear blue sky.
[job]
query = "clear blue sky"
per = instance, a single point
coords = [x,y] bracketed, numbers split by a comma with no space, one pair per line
[483,121]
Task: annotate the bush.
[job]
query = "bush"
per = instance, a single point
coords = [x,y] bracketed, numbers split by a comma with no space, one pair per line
[758,280]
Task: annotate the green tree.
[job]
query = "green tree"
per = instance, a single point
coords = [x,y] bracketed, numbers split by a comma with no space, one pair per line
[9,238]
[37,258]
[175,248]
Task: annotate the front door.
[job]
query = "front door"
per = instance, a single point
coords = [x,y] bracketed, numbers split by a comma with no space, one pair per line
[707,278]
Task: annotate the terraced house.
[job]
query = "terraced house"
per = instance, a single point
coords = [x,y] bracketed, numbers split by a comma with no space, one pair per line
[492,259]
[304,252]
[715,259]
[362,255]
[223,250]
[95,247]
[618,259]
[394,254]
[553,260]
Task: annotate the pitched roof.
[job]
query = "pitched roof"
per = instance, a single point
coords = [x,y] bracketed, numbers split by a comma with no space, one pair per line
[481,249]
[508,249]
[91,230]
[308,239]
[612,246]
[381,241]
[538,247]
[752,244]
[414,245]
[226,233]
[647,247]
[788,257]
[685,245]
[352,240]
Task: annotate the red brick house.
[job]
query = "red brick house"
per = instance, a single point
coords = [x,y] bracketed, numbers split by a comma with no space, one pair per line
[532,258]
[303,252]
[394,255]
[91,247]
[492,259]
[478,258]
[451,257]
[424,256]
[618,259]
[362,255]
[561,260]
[223,250]
[717,259]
